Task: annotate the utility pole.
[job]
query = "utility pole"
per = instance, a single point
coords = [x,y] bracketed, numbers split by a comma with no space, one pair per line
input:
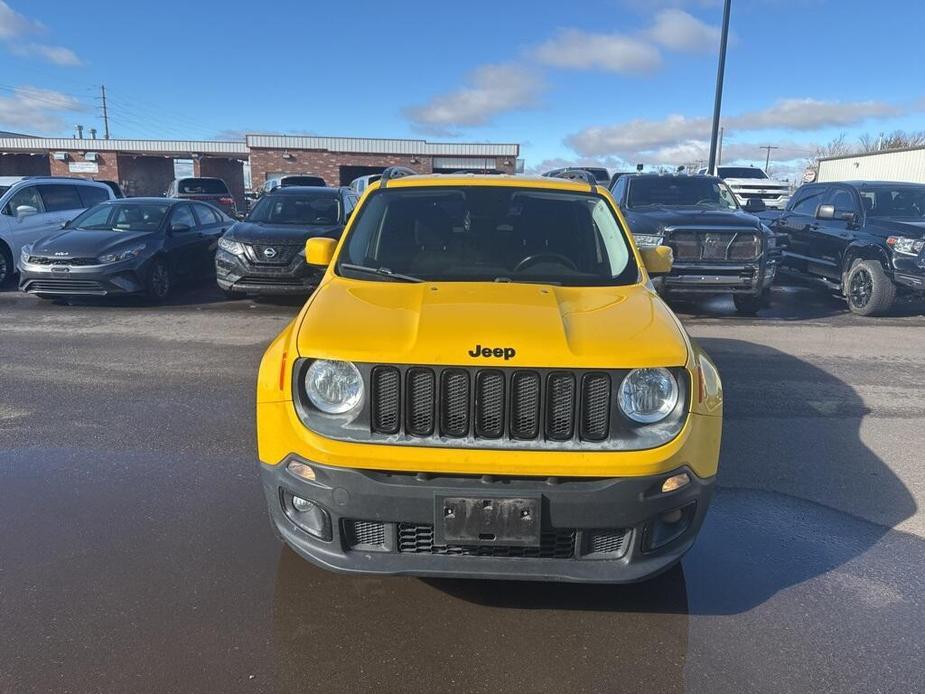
[105,112]
[720,75]
[719,148]
[767,160]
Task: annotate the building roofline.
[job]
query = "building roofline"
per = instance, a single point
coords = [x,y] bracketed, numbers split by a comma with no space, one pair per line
[881,152]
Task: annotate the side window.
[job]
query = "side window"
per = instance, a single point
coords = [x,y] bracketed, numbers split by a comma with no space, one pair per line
[842,200]
[182,216]
[808,200]
[619,188]
[60,196]
[91,195]
[205,215]
[25,196]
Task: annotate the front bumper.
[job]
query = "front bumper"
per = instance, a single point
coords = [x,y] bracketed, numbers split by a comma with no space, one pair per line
[126,277]
[594,530]
[909,272]
[707,278]
[236,274]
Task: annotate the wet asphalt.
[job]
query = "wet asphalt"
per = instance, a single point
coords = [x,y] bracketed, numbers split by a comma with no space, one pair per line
[135,552]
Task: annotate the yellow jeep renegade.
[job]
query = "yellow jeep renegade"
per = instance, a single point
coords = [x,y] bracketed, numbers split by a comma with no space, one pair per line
[485,384]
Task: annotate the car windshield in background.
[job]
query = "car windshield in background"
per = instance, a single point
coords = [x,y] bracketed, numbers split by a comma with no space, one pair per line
[3,189]
[310,210]
[678,191]
[129,217]
[474,234]
[202,186]
[301,181]
[741,172]
[906,201]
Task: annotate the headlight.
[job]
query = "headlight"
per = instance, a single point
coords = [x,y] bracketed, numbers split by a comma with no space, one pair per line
[122,255]
[333,387]
[905,245]
[648,239]
[25,252]
[230,246]
[648,395]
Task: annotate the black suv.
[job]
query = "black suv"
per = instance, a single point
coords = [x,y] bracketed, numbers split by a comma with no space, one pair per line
[865,238]
[265,253]
[718,247]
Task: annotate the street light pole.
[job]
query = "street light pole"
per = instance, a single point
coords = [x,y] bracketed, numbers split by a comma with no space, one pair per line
[720,74]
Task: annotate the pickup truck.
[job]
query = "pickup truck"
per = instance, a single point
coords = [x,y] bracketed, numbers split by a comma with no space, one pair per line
[863,238]
[751,183]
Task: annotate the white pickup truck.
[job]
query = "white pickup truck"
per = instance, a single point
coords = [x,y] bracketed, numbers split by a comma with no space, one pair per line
[751,182]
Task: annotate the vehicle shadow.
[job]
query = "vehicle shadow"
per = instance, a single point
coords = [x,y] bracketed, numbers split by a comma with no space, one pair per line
[800,496]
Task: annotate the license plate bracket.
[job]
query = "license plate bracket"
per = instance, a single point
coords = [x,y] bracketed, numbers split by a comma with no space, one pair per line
[502,521]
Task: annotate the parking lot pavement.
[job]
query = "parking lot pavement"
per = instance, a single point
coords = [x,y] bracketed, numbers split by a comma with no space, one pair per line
[135,551]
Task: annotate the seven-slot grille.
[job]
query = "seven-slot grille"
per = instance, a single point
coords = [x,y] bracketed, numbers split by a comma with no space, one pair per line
[491,403]
[718,245]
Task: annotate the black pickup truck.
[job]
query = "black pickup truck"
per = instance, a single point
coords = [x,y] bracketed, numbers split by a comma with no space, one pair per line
[865,238]
[718,246]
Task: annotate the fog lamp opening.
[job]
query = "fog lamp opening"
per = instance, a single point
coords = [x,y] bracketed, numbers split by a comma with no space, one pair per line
[675,482]
[308,515]
[668,526]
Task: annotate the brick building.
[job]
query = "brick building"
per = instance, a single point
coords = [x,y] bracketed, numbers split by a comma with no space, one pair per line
[146,167]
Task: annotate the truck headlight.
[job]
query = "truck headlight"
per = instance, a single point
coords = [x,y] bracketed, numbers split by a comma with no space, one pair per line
[905,245]
[334,387]
[648,239]
[230,246]
[122,255]
[648,396]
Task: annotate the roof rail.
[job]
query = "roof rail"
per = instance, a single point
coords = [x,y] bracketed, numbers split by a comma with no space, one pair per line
[579,175]
[394,172]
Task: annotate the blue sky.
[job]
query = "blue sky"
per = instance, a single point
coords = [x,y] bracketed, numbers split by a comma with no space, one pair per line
[611,81]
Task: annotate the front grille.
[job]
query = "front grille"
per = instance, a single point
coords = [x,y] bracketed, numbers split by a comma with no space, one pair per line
[364,533]
[73,262]
[272,281]
[608,541]
[280,254]
[516,405]
[692,245]
[64,286]
[414,538]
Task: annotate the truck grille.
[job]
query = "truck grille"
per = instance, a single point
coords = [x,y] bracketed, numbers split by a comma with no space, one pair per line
[491,403]
[691,245]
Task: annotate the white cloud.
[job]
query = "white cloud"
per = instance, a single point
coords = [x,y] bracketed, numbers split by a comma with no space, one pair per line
[15,26]
[59,55]
[676,30]
[679,137]
[492,90]
[36,110]
[812,114]
[575,49]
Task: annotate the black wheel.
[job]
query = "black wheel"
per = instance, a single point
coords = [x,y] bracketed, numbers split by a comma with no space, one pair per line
[868,289]
[159,281]
[6,265]
[750,304]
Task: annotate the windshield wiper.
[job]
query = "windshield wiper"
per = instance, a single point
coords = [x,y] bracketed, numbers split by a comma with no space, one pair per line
[508,280]
[380,271]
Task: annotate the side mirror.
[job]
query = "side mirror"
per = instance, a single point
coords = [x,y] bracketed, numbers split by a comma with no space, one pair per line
[825,212]
[320,251]
[26,211]
[65,224]
[755,205]
[657,259]
[180,228]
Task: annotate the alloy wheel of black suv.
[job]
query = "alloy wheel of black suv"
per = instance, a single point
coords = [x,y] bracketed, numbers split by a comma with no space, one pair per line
[869,290]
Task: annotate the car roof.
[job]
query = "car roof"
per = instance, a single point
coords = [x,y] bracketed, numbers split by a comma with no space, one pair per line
[305,190]
[149,200]
[869,184]
[493,180]
[674,175]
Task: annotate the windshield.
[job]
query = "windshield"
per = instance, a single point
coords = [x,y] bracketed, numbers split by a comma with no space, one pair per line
[302,181]
[308,210]
[127,217]
[3,189]
[202,186]
[679,191]
[484,233]
[741,172]
[906,201]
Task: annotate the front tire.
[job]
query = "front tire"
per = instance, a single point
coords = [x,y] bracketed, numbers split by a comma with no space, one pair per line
[6,265]
[160,281]
[750,304]
[868,289]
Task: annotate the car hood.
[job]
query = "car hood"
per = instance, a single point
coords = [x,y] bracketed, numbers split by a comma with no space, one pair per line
[79,243]
[441,323]
[255,232]
[655,219]
[898,227]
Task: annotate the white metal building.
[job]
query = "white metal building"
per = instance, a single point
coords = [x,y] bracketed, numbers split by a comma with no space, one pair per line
[907,165]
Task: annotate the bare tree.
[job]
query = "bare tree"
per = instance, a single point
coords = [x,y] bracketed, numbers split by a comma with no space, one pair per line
[834,148]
